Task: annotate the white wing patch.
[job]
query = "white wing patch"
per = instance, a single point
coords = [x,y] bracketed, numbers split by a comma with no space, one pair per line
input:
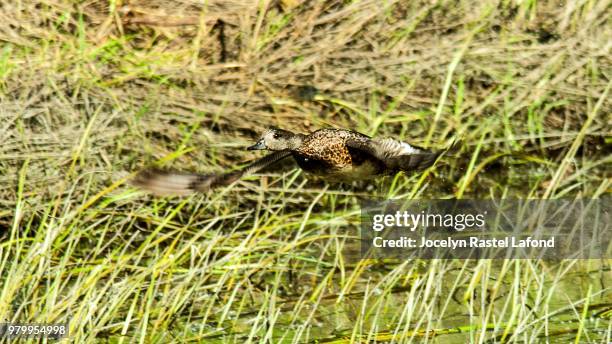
[408,149]
[391,147]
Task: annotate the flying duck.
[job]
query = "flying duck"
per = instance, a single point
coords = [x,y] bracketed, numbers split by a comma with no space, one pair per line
[339,155]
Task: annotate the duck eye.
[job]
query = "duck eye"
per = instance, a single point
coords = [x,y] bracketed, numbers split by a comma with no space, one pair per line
[276,136]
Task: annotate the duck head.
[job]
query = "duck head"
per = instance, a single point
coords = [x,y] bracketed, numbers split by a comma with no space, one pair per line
[276,139]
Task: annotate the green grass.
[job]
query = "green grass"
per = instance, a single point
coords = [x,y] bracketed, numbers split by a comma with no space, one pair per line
[86,98]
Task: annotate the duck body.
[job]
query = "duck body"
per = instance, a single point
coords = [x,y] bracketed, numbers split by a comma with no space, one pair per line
[339,155]
[346,155]
[325,154]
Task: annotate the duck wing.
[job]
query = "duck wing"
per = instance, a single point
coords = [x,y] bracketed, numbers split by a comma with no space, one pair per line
[168,182]
[396,155]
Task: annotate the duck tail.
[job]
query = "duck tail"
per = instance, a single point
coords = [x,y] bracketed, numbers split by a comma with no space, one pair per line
[425,159]
[165,182]
[453,148]
[417,162]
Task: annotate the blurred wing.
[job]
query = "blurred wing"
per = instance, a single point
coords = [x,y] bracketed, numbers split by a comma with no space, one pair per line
[396,154]
[163,182]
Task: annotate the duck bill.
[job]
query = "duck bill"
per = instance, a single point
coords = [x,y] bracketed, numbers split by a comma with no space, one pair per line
[258,146]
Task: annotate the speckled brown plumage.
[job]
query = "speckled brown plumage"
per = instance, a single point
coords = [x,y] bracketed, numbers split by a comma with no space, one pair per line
[329,145]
